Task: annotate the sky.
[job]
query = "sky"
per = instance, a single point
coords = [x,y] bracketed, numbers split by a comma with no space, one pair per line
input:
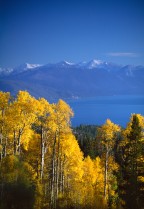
[49,31]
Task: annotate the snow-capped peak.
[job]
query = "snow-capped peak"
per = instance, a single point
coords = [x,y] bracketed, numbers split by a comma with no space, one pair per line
[94,63]
[30,66]
[69,63]
[25,67]
[63,63]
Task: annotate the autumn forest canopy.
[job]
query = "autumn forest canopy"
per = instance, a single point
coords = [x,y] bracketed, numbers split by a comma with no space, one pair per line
[47,164]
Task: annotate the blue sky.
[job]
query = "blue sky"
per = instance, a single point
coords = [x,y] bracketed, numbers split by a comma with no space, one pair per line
[44,31]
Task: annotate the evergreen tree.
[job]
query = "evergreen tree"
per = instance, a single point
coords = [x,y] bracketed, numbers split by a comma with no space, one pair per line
[132,169]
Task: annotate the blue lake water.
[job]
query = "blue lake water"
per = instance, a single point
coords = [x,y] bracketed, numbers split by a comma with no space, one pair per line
[96,110]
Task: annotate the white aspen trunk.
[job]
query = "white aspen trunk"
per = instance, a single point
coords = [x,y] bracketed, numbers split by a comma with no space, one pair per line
[58,168]
[42,159]
[53,181]
[106,173]
[42,154]
[61,176]
[63,182]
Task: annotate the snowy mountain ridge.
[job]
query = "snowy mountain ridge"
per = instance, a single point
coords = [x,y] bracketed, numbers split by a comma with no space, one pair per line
[71,80]
[93,64]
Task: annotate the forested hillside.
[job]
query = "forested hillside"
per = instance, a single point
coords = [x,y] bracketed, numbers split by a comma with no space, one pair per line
[45,164]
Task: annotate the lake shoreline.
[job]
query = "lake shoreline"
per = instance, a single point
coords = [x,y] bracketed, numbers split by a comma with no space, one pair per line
[95,110]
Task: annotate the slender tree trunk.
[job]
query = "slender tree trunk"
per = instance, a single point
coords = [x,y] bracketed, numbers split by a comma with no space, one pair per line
[19,143]
[42,159]
[53,196]
[42,153]
[14,142]
[106,173]
[61,177]
[58,167]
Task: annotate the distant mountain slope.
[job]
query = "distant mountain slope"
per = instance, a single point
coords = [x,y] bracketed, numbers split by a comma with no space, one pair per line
[68,80]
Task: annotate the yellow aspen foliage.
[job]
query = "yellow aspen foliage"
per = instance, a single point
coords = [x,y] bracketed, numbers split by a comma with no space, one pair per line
[99,176]
[108,133]
[21,116]
[41,158]
[72,156]
[109,130]
[89,179]
[62,114]
[4,100]
[44,110]
[72,161]
[4,104]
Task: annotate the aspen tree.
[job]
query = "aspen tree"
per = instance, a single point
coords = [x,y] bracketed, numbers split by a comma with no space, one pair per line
[4,105]
[108,134]
[73,170]
[89,179]
[43,116]
[59,123]
[21,116]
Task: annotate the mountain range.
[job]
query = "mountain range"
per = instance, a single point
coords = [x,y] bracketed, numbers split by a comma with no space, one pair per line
[73,80]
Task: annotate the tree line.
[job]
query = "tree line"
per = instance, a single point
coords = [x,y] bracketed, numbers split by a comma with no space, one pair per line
[45,164]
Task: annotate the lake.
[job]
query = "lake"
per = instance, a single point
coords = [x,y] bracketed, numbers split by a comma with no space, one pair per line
[96,110]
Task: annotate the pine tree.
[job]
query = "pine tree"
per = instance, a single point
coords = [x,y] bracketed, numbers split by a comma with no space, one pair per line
[133,168]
